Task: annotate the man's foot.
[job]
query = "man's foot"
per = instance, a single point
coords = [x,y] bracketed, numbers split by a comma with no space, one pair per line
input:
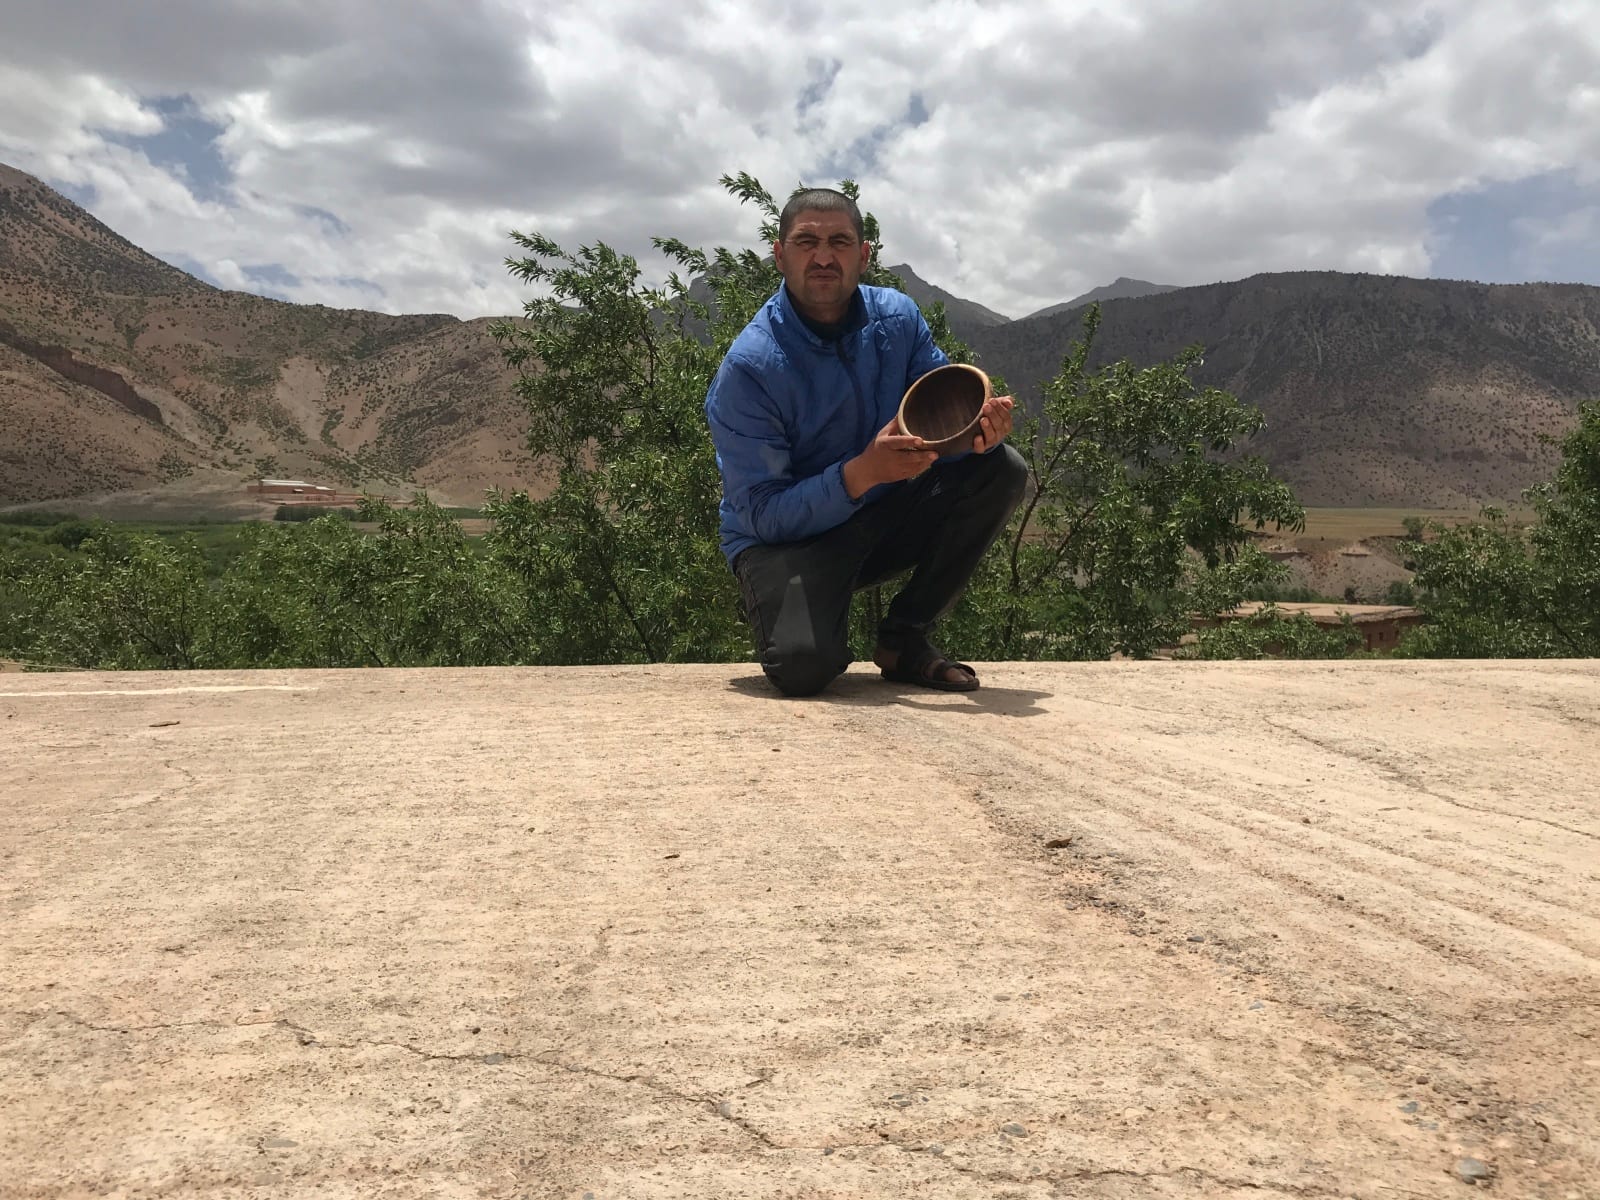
[925,665]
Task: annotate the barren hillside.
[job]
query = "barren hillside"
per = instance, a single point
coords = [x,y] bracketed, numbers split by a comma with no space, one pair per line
[1377,390]
[119,371]
[966,316]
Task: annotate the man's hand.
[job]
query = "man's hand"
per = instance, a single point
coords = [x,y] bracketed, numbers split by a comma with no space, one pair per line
[994,423]
[891,457]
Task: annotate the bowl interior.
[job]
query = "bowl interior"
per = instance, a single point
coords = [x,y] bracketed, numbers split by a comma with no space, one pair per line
[943,403]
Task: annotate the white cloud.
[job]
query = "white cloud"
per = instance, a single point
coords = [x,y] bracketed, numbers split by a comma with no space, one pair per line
[1017,153]
[56,112]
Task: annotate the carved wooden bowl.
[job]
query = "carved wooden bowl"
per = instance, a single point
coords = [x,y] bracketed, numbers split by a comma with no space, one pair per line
[943,406]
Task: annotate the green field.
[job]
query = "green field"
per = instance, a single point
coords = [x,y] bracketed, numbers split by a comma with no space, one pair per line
[1354,524]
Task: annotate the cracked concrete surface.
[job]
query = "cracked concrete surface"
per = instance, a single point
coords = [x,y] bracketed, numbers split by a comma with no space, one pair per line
[1111,930]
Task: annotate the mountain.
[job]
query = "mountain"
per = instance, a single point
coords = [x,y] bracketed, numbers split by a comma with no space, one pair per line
[1377,390]
[1122,289]
[965,316]
[119,371]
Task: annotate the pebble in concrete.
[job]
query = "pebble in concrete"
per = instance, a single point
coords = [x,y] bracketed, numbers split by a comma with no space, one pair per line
[1473,1170]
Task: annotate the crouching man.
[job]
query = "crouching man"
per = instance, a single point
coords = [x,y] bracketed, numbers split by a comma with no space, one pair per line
[821,495]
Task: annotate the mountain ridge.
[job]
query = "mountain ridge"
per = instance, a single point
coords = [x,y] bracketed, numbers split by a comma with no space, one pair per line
[1122,288]
[119,372]
[965,315]
[1378,390]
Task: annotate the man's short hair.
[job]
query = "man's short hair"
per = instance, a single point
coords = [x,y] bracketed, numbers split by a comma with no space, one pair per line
[819,200]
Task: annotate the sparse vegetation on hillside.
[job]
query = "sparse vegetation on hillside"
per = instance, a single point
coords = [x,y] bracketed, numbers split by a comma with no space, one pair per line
[1377,390]
[231,376]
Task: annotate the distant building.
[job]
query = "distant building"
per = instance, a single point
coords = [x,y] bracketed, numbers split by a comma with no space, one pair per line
[297,491]
[1380,625]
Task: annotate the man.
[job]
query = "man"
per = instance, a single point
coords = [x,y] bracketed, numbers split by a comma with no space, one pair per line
[821,494]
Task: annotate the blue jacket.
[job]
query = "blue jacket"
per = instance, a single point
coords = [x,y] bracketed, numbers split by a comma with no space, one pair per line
[787,410]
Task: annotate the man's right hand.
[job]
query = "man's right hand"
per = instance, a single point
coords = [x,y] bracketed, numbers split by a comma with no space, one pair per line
[891,457]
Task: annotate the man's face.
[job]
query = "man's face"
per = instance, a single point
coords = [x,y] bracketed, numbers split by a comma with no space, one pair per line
[822,261]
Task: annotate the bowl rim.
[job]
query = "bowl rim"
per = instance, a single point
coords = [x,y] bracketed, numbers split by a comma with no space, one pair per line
[965,430]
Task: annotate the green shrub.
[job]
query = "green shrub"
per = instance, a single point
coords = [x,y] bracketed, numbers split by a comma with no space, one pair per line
[37,519]
[1271,633]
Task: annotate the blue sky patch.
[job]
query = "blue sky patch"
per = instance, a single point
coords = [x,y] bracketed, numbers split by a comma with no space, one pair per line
[270,279]
[823,73]
[83,195]
[860,157]
[355,281]
[333,223]
[1530,229]
[186,146]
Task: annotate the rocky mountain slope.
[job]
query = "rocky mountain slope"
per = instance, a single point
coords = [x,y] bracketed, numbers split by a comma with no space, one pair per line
[1122,288]
[118,371]
[1377,390]
[966,316]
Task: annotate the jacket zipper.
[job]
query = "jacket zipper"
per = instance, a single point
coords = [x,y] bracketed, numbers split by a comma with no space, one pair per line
[861,401]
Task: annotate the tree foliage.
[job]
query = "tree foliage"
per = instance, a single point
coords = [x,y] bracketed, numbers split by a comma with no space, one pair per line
[1273,633]
[1136,518]
[1494,589]
[323,593]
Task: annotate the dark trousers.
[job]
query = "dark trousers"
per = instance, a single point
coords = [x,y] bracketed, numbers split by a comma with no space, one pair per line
[937,526]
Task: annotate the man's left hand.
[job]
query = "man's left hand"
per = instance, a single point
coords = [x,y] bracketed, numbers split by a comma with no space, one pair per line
[994,423]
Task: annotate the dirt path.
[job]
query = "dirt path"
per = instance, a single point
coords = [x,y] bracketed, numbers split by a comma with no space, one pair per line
[1151,930]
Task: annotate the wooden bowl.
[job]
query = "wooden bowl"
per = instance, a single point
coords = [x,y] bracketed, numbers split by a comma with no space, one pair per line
[942,407]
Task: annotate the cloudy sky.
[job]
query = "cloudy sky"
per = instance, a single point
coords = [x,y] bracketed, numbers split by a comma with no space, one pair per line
[1017,152]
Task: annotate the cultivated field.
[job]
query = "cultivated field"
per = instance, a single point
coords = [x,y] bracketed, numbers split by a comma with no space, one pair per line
[1357,524]
[1111,930]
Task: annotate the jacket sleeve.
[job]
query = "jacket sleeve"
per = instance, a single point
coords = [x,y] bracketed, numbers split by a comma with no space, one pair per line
[756,461]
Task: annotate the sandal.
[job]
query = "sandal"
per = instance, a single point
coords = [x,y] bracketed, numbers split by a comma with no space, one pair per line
[925,665]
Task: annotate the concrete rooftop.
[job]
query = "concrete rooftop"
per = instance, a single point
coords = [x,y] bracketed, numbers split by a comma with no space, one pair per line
[1110,930]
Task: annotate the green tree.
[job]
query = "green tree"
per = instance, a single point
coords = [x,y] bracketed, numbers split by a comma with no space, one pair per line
[624,555]
[1136,520]
[1400,592]
[1494,589]
[1498,589]
[123,601]
[412,592]
[1566,540]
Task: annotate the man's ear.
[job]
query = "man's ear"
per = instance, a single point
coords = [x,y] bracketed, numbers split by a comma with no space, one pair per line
[777,254]
[866,254]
